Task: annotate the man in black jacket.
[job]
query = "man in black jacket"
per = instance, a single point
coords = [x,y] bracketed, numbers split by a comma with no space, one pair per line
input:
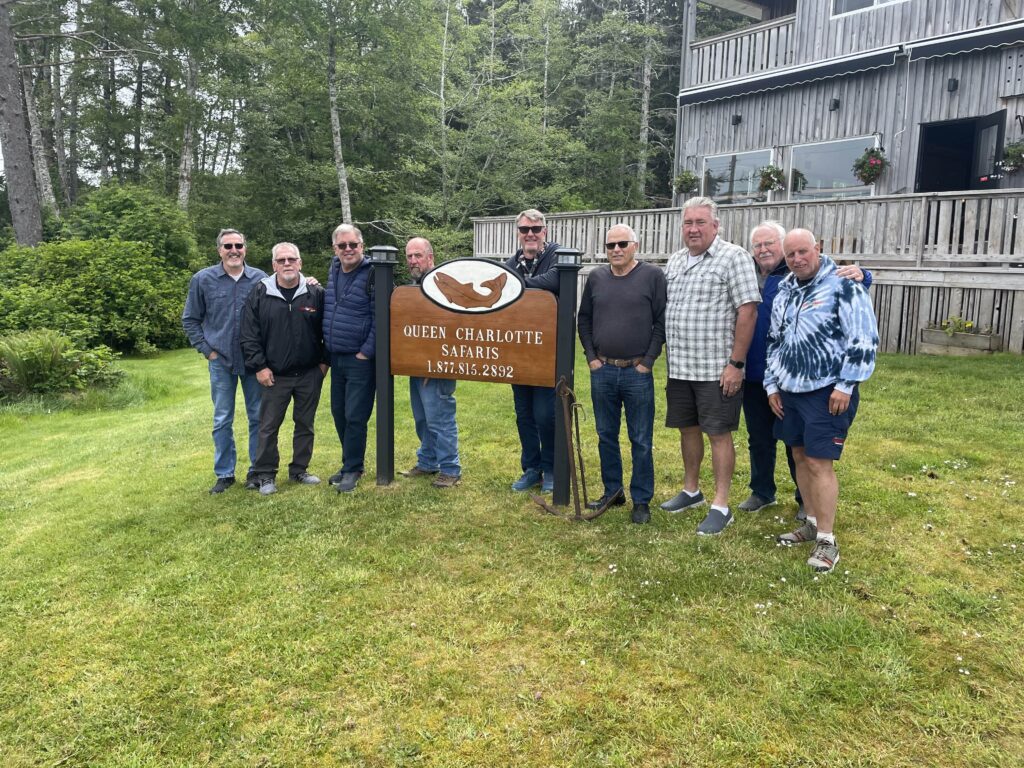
[282,342]
[535,406]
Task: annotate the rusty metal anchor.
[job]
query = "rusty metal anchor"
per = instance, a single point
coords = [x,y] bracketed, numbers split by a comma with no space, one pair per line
[570,412]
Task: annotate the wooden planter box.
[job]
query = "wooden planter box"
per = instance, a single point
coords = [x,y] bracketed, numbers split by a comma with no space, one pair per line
[938,342]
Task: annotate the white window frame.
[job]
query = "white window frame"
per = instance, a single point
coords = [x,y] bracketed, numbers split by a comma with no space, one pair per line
[875,5]
[704,160]
[872,137]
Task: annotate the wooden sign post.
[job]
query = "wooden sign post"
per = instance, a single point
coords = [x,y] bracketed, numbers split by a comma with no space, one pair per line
[475,320]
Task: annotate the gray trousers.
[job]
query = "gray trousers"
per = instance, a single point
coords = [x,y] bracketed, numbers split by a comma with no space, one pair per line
[304,388]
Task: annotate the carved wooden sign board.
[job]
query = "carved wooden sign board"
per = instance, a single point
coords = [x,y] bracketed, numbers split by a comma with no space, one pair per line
[474,319]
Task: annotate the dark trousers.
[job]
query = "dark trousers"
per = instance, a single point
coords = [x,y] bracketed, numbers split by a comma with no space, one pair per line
[304,389]
[353,386]
[613,390]
[535,420]
[762,443]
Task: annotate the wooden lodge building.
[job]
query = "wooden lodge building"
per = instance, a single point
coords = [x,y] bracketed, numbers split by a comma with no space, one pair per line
[806,87]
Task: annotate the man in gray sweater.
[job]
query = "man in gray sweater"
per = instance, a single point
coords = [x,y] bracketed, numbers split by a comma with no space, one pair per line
[622,328]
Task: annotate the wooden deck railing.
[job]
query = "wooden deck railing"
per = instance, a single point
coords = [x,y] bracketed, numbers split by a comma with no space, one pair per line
[746,52]
[934,255]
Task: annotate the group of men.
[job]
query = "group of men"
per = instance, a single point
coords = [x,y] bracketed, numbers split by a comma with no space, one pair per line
[781,333]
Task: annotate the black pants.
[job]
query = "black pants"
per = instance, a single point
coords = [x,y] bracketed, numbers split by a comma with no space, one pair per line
[304,388]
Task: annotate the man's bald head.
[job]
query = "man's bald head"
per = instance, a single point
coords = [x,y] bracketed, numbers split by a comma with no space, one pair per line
[803,256]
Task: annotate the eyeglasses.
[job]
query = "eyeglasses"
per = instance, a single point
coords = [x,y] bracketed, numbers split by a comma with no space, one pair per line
[623,244]
[230,246]
[765,244]
[347,246]
[536,229]
[286,260]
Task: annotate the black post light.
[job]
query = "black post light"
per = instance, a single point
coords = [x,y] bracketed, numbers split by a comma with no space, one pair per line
[568,263]
[384,258]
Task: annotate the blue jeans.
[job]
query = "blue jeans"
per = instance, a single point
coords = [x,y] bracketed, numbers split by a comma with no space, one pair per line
[613,389]
[761,442]
[535,420]
[353,385]
[433,410]
[223,384]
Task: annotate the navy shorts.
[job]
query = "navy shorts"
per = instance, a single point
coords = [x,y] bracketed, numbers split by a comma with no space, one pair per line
[807,424]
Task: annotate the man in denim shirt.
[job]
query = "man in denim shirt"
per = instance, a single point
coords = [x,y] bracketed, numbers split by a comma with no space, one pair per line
[212,320]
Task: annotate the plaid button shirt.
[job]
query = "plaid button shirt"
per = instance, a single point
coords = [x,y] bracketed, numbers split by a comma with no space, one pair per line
[700,318]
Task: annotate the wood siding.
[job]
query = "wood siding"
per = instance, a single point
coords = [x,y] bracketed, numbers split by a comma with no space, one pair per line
[754,49]
[892,102]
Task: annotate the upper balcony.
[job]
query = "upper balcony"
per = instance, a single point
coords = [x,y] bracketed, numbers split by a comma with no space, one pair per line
[758,48]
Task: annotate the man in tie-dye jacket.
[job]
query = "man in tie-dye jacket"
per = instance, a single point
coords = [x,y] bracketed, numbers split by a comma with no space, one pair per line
[821,345]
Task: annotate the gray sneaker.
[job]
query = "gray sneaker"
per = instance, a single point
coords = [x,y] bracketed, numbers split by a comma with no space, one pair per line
[714,523]
[267,486]
[824,556]
[305,479]
[348,482]
[806,532]
[756,503]
[682,501]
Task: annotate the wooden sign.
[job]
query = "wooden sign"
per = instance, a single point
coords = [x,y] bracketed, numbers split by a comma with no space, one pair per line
[472,319]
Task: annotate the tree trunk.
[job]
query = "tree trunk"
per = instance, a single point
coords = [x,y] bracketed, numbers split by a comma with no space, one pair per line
[231,136]
[188,136]
[14,143]
[59,150]
[443,108]
[42,170]
[332,89]
[137,132]
[645,127]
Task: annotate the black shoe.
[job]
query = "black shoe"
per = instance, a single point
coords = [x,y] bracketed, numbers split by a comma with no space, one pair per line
[641,514]
[252,483]
[348,482]
[336,477]
[222,484]
[617,500]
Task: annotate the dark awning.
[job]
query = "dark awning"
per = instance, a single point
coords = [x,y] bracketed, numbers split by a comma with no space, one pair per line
[782,78]
[979,39]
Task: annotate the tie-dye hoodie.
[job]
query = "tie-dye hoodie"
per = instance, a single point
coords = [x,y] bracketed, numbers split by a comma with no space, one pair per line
[822,333]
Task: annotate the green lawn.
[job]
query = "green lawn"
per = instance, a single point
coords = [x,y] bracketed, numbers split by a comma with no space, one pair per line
[144,622]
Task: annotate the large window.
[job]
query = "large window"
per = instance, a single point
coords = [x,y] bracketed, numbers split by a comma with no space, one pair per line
[849,6]
[825,171]
[735,178]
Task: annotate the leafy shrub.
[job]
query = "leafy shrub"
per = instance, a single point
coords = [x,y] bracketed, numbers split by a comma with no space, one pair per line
[131,212]
[95,292]
[44,361]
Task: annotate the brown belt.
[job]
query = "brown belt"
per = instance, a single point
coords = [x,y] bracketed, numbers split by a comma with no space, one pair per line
[631,362]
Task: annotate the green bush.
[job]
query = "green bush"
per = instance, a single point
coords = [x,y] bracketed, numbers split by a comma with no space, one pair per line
[131,212]
[44,361]
[95,292]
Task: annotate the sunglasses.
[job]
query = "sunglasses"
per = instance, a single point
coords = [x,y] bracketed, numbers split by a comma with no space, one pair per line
[286,260]
[536,229]
[230,246]
[623,244]
[347,246]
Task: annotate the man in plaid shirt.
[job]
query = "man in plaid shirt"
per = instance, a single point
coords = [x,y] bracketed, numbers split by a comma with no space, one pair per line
[709,321]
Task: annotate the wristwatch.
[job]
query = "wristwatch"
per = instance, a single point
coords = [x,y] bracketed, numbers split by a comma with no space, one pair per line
[737,364]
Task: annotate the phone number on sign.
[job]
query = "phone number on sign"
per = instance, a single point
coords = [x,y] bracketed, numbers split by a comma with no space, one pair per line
[453,368]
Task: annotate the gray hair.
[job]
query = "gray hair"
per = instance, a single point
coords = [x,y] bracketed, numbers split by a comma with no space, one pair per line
[284,246]
[346,228]
[220,236]
[702,202]
[769,224]
[533,215]
[632,233]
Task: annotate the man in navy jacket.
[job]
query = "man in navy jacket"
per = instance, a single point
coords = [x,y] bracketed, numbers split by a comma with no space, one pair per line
[350,336]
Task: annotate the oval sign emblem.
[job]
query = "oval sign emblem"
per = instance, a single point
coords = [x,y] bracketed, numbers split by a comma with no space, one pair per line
[472,285]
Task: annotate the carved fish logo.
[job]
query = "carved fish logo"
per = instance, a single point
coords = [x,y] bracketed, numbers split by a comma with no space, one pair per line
[472,285]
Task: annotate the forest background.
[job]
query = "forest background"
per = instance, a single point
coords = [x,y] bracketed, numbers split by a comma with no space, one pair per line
[284,118]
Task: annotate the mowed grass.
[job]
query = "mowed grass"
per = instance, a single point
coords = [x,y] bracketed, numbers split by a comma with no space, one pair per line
[144,622]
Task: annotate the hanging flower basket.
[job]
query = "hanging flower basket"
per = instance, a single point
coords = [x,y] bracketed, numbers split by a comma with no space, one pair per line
[773,179]
[869,166]
[1013,156]
[686,183]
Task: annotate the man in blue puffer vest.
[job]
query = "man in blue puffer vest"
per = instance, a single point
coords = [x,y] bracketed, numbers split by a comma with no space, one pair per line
[350,336]
[766,249]
[822,344]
